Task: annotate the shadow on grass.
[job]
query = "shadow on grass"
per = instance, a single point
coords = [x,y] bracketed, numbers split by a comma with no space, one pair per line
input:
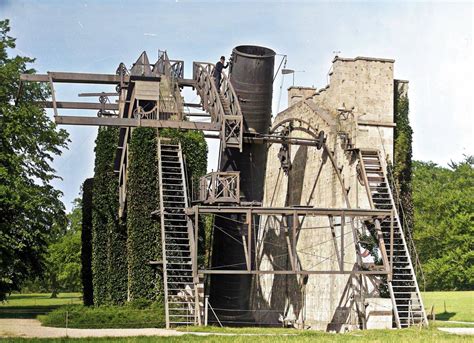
[445,315]
[24,312]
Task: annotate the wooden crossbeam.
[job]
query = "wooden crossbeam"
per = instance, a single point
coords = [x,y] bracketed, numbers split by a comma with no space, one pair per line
[132,122]
[80,105]
[62,77]
[103,79]
[308,211]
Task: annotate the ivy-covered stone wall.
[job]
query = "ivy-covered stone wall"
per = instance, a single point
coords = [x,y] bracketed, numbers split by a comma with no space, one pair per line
[123,248]
[144,238]
[109,264]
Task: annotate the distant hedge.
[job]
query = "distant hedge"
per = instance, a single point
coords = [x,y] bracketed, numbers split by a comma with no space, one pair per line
[132,315]
[86,248]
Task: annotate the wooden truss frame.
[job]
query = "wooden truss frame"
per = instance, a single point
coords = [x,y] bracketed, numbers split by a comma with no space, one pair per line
[294,216]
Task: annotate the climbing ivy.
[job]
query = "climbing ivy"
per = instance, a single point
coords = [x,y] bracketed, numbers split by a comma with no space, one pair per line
[144,236]
[108,234]
[144,240]
[402,168]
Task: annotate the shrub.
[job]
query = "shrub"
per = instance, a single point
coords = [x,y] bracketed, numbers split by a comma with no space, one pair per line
[127,316]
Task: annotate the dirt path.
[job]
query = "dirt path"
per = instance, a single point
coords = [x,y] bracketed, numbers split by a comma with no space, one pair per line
[32,328]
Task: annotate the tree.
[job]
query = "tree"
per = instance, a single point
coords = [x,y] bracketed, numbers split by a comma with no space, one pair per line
[29,140]
[63,257]
[444,230]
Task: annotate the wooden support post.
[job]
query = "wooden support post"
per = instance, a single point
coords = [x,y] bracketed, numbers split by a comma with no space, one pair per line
[289,244]
[249,240]
[343,219]
[333,234]
[366,182]
[195,267]
[53,94]
[294,228]
[382,246]
[206,309]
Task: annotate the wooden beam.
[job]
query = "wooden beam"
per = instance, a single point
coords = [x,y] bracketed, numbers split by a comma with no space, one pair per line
[292,272]
[129,122]
[61,77]
[79,105]
[104,79]
[290,210]
[375,123]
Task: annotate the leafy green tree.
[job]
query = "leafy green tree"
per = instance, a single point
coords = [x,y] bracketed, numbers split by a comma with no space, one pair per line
[64,255]
[29,140]
[444,223]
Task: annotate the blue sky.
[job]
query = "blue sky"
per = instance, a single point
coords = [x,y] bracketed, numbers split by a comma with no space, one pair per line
[431,43]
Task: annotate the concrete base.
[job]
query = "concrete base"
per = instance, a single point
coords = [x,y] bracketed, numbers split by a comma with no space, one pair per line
[379,313]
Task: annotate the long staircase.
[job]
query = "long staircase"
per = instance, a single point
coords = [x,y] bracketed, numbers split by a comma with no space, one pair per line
[403,287]
[222,104]
[180,286]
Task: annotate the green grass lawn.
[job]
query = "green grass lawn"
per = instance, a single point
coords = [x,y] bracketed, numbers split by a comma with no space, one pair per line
[31,305]
[407,335]
[459,305]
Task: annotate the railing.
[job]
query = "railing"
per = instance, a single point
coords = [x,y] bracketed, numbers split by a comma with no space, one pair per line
[222,104]
[207,90]
[407,228]
[220,187]
[400,228]
[177,69]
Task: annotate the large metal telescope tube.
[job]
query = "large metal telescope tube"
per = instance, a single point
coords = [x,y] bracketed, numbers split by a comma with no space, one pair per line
[251,75]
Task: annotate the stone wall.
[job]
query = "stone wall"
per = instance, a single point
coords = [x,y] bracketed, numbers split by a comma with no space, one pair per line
[359,102]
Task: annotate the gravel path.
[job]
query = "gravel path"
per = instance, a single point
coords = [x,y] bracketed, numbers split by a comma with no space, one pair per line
[459,331]
[32,328]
